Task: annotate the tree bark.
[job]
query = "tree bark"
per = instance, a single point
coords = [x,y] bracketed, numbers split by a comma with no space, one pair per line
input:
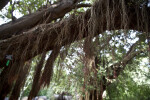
[42,16]
[20,81]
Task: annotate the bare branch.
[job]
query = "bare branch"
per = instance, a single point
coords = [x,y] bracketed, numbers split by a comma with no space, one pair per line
[83,5]
[119,66]
[132,48]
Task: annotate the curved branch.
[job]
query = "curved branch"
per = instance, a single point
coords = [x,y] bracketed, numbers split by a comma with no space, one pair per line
[83,5]
[119,66]
[27,22]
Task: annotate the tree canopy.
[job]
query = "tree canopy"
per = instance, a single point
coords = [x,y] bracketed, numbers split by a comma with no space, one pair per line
[103,29]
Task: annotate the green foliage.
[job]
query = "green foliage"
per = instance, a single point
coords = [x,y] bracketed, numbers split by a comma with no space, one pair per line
[132,84]
[43,92]
[29,6]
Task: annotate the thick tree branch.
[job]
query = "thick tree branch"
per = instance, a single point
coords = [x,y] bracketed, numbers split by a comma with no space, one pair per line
[52,32]
[44,16]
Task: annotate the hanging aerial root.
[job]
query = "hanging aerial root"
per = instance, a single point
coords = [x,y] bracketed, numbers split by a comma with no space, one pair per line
[37,74]
[11,73]
[20,81]
[48,70]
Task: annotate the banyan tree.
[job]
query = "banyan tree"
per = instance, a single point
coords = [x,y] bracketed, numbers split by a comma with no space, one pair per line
[49,29]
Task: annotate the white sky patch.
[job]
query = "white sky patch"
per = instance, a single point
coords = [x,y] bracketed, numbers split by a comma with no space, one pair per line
[140,76]
[145,61]
[17,14]
[3,20]
[4,11]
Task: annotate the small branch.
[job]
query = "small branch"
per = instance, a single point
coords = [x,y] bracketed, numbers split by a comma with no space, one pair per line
[12,10]
[130,56]
[83,5]
[132,48]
